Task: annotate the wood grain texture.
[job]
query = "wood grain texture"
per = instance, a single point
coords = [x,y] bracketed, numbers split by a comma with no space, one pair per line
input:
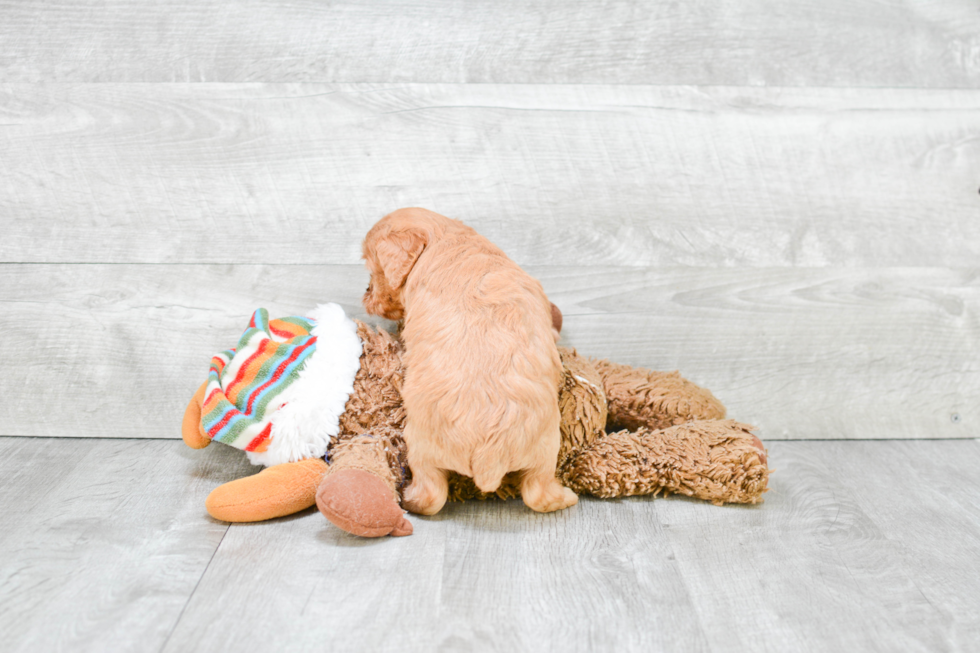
[929,505]
[926,43]
[562,175]
[489,576]
[103,541]
[801,353]
[858,546]
[826,563]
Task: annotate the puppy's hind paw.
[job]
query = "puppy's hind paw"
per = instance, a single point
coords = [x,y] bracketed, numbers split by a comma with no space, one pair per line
[549,497]
[423,499]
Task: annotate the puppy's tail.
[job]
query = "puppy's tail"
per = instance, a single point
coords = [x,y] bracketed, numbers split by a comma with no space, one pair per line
[487,473]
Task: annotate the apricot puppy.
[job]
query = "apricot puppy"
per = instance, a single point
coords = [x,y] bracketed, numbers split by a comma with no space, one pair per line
[482,367]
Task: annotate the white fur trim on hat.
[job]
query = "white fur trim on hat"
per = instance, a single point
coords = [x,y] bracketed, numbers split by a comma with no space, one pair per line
[313,404]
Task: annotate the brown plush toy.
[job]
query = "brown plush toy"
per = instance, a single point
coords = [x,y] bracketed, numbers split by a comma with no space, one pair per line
[625,431]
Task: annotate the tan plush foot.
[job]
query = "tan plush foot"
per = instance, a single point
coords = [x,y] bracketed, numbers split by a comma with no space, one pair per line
[190,429]
[360,503]
[276,491]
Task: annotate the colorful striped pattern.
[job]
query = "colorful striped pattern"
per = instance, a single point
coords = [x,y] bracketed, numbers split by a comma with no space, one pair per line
[244,383]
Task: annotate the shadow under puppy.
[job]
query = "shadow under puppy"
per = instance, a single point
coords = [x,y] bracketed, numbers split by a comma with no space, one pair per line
[482,364]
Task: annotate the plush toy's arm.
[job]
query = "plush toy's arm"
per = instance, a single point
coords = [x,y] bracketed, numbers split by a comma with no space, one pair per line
[194,436]
[716,460]
[639,397]
[359,492]
[274,492]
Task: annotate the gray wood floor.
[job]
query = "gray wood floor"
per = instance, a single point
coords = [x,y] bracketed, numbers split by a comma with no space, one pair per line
[779,199]
[860,545]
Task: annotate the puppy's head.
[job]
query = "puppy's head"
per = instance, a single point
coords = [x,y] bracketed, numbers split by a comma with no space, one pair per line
[390,250]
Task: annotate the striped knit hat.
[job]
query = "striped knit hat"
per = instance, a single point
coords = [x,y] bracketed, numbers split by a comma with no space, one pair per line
[280,393]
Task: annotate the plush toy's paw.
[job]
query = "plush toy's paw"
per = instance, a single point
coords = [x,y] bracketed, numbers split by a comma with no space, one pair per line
[362,504]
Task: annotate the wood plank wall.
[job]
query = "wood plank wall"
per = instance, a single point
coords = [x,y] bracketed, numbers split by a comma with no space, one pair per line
[781,201]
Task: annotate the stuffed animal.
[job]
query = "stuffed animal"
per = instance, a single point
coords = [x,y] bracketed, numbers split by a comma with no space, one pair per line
[317,401]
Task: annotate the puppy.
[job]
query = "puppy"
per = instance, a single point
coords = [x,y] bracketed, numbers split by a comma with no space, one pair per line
[482,367]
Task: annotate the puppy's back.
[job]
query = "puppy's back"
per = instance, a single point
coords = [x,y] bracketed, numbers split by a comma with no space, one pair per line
[483,365]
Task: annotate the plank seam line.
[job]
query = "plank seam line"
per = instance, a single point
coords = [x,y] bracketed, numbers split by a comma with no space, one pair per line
[194,591]
[381,85]
[208,264]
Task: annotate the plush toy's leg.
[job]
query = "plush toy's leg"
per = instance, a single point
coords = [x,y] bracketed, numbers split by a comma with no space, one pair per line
[716,460]
[194,436]
[359,493]
[642,398]
[276,491]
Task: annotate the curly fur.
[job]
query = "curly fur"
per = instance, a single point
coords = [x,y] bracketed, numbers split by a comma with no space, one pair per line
[480,395]
[373,421]
[719,461]
[716,460]
[639,397]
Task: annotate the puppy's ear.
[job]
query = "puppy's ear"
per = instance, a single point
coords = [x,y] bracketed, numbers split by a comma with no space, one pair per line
[397,254]
[556,318]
